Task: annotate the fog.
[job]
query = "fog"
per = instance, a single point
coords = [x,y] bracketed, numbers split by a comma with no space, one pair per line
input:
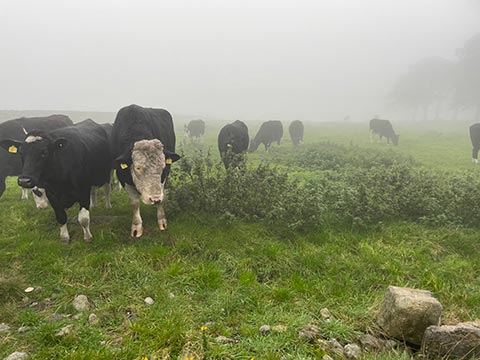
[253,60]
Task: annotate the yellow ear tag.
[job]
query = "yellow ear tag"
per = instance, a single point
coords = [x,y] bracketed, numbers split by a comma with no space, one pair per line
[12,149]
[168,161]
[123,166]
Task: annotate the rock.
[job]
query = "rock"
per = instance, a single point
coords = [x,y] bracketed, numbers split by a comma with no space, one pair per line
[279,328]
[332,346]
[224,340]
[93,319]
[327,357]
[309,332]
[352,351]
[149,301]
[57,317]
[103,343]
[406,313]
[66,330]
[29,289]
[4,328]
[23,329]
[80,303]
[17,356]
[325,314]
[34,304]
[452,341]
[371,343]
[390,345]
[171,295]
[264,329]
[77,317]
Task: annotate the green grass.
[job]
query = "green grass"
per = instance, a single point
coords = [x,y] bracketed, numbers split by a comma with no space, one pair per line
[235,275]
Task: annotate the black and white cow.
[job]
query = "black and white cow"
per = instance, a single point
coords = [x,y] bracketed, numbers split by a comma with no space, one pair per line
[232,141]
[67,162]
[475,137]
[296,132]
[195,128]
[16,129]
[143,149]
[269,132]
[383,128]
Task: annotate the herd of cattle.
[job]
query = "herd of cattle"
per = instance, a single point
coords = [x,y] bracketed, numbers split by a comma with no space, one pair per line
[63,163]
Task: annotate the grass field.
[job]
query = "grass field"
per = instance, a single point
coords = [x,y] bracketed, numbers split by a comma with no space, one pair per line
[232,274]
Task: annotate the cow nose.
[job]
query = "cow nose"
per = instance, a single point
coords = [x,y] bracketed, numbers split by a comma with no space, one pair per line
[155,200]
[25,182]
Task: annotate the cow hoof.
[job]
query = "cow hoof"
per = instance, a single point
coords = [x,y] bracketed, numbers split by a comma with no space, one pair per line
[88,240]
[137,231]
[162,224]
[65,239]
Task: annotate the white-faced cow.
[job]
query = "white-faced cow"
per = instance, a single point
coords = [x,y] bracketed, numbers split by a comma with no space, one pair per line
[16,129]
[143,149]
[269,132]
[383,128]
[296,132]
[67,162]
[475,137]
[233,141]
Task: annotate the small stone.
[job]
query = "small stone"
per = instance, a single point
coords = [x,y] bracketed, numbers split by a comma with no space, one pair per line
[57,317]
[23,329]
[76,316]
[66,330]
[149,301]
[29,289]
[103,343]
[224,340]
[390,345]
[327,357]
[93,319]
[331,346]
[171,295]
[352,351]
[279,328]
[4,328]
[309,332]
[80,303]
[325,314]
[34,304]
[17,356]
[210,324]
[370,342]
[264,329]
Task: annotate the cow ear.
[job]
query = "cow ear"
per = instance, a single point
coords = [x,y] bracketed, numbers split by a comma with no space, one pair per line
[12,146]
[123,162]
[171,157]
[60,144]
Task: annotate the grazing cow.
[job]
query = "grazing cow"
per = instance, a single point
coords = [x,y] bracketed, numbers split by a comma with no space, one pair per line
[296,132]
[143,149]
[383,128]
[232,141]
[195,128]
[67,162]
[269,132]
[11,165]
[475,137]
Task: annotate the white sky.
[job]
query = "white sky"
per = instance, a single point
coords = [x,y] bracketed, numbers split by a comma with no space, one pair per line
[252,60]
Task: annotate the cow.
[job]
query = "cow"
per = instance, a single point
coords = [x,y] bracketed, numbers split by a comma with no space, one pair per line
[475,137]
[269,132]
[383,128]
[67,162]
[232,141]
[16,129]
[195,128]
[296,132]
[143,149]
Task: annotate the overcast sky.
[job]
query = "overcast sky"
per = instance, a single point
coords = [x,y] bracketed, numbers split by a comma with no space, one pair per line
[249,59]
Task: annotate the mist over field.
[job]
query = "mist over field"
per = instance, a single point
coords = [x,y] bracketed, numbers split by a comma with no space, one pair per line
[253,60]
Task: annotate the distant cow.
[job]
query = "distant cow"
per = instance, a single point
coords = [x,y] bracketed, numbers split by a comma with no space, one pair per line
[67,162]
[143,146]
[296,132]
[475,137]
[11,165]
[383,128]
[269,132]
[232,141]
[195,128]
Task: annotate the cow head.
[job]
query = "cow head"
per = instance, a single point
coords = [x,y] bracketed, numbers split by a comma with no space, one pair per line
[149,165]
[395,139]
[35,151]
[253,145]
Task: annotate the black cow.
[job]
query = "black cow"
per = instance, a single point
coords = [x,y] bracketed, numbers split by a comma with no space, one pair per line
[475,137]
[383,128]
[195,128]
[16,130]
[233,141]
[67,162]
[296,132]
[269,132]
[143,148]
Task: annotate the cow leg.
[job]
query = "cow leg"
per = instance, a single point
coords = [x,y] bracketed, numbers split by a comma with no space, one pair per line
[107,188]
[93,196]
[161,218]
[84,221]
[475,154]
[137,226]
[371,137]
[2,185]
[61,217]
[24,194]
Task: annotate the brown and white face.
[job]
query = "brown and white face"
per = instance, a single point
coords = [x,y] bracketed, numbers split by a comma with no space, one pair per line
[149,169]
